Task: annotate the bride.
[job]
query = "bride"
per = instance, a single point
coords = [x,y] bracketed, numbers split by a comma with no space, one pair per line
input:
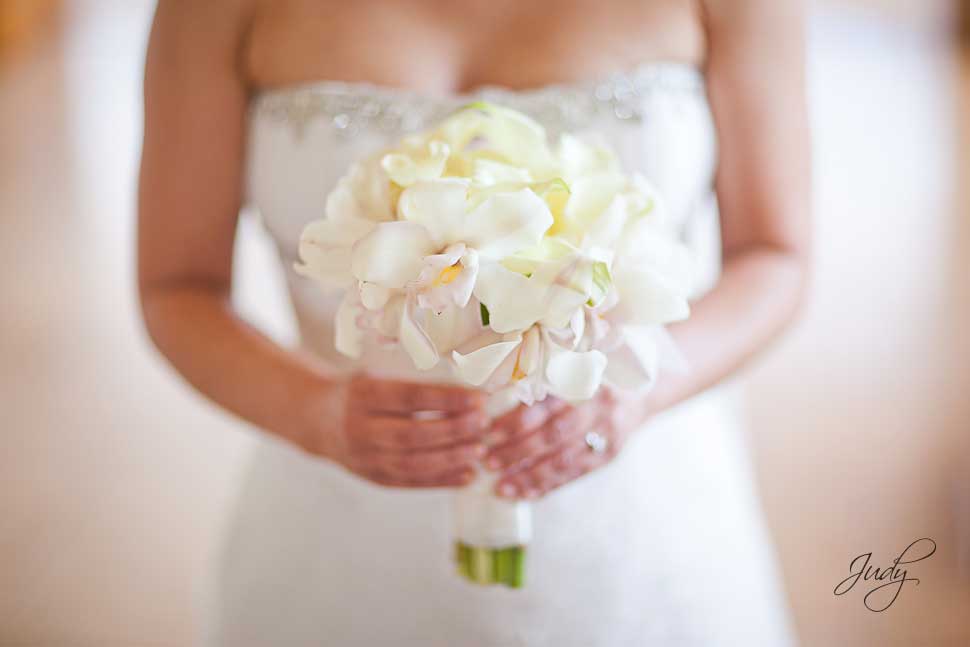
[339,534]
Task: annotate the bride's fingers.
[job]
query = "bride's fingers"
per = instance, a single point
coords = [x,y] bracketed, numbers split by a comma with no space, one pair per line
[396,397]
[568,423]
[524,419]
[404,434]
[562,466]
[420,466]
[456,478]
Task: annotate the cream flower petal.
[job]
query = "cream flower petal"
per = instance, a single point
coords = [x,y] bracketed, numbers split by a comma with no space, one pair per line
[464,285]
[453,328]
[580,156]
[606,230]
[435,264]
[514,302]
[392,254]
[489,172]
[590,195]
[561,304]
[449,285]
[646,245]
[388,323]
[519,139]
[530,354]
[575,376]
[477,367]
[506,223]
[416,341]
[424,163]
[646,297]
[348,335]
[373,296]
[438,206]
[364,192]
[515,138]
[325,250]
[635,363]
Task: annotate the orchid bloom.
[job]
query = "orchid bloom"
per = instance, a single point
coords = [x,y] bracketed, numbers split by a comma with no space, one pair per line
[528,307]
[361,199]
[532,364]
[433,252]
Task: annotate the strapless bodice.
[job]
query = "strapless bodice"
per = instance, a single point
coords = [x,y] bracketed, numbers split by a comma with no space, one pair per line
[303,138]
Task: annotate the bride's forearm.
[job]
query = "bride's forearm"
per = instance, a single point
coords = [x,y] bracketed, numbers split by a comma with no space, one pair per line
[758,295]
[232,363]
[756,86]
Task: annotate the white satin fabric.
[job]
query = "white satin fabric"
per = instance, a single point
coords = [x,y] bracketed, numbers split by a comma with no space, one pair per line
[665,546]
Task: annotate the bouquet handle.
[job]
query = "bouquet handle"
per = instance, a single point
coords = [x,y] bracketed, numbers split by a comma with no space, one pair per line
[491,533]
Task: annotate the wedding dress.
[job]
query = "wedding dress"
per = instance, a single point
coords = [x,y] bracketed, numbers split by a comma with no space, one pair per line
[664,546]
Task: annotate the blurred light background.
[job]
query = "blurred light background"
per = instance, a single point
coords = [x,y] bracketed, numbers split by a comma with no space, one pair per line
[114,477]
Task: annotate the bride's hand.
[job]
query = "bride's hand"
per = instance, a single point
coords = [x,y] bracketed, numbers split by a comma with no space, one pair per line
[403,434]
[551,443]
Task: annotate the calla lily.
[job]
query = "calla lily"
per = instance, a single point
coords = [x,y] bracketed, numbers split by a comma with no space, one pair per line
[416,162]
[507,136]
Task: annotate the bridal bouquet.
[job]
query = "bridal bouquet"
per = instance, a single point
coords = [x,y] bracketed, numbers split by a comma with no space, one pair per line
[528,269]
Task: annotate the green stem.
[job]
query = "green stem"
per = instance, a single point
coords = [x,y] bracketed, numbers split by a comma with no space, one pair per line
[491,565]
[481,565]
[516,567]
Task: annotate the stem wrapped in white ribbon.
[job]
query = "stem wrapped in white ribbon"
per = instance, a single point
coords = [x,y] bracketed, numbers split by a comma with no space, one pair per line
[491,533]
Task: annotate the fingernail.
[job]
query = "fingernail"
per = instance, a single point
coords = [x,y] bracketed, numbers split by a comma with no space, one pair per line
[506,489]
[493,463]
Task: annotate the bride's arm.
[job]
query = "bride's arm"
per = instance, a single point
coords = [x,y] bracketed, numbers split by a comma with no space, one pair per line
[189,199]
[756,85]
[755,78]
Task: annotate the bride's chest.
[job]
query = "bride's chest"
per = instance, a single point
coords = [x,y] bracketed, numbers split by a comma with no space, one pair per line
[449,46]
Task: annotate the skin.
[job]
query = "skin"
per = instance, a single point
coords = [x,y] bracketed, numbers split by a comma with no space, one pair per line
[205,59]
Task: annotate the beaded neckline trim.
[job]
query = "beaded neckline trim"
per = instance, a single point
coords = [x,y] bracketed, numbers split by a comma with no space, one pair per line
[352,107]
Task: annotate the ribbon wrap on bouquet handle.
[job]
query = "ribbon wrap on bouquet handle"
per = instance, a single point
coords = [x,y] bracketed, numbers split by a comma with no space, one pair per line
[491,533]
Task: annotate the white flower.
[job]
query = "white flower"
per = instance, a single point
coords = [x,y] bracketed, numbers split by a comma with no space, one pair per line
[416,161]
[434,252]
[485,131]
[532,364]
[535,316]
[361,199]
